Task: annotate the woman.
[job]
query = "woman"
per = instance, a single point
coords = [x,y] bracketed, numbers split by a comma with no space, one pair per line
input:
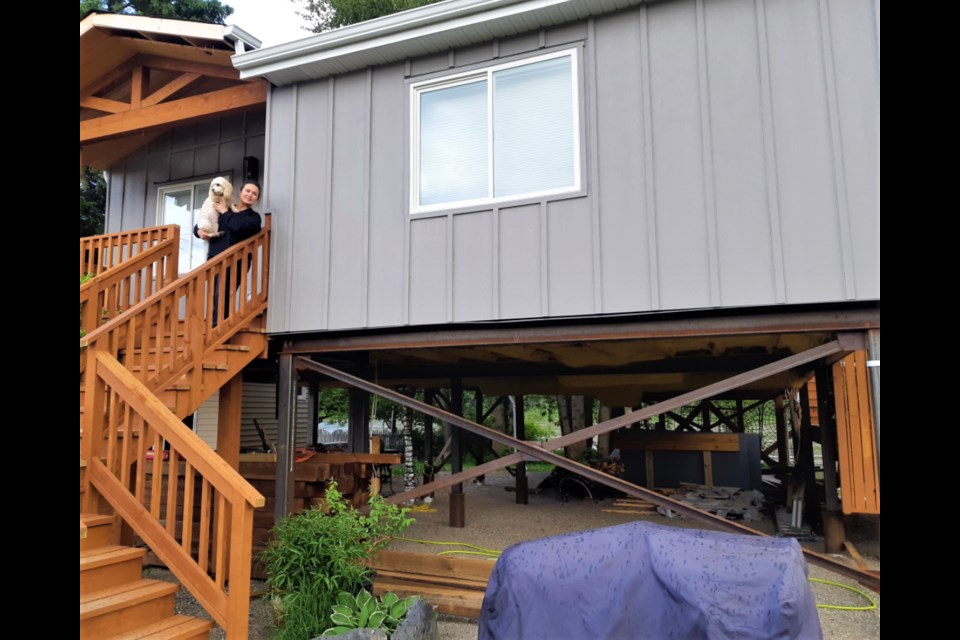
[236,226]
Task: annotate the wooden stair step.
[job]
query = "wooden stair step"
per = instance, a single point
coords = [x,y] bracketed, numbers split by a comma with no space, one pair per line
[109,566]
[172,628]
[95,519]
[109,554]
[212,366]
[233,347]
[99,530]
[125,607]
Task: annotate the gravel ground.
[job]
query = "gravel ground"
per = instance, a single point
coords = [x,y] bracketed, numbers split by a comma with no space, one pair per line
[494,521]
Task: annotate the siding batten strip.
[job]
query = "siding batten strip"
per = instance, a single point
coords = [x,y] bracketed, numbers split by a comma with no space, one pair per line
[706,140]
[292,189]
[365,204]
[590,105]
[267,153]
[408,145]
[836,148]
[770,156]
[648,178]
[448,267]
[495,271]
[544,262]
[328,214]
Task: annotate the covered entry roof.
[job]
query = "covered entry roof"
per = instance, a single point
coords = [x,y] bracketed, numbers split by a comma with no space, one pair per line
[142,76]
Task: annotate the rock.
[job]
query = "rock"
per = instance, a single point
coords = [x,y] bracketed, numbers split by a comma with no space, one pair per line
[420,623]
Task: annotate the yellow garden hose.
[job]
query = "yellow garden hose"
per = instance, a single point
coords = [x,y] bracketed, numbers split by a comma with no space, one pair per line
[870,607]
[490,553]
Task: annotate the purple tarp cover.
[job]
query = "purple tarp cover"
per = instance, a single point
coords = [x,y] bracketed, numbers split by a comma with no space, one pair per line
[642,580]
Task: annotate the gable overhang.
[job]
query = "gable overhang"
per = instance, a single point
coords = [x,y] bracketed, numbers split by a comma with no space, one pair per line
[142,76]
[408,34]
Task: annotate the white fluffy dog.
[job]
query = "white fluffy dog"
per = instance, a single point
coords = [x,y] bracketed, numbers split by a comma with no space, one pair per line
[221,191]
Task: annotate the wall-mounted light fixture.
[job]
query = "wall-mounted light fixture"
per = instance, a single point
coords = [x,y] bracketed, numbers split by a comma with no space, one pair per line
[251,169]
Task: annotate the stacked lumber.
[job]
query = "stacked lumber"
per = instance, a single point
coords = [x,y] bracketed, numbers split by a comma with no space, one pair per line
[452,585]
[637,506]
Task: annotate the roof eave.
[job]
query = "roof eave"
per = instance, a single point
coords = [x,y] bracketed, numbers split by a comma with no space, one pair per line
[406,34]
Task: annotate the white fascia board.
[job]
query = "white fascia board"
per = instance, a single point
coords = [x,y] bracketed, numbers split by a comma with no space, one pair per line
[353,46]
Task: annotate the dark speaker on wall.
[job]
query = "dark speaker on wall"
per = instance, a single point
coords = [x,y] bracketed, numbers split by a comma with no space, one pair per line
[251,168]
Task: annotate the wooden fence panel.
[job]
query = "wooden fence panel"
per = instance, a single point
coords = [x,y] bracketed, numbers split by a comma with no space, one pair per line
[859,473]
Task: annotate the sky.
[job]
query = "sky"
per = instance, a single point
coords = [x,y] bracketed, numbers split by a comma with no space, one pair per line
[270,21]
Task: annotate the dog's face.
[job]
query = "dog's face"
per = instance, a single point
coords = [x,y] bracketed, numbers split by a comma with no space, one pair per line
[221,188]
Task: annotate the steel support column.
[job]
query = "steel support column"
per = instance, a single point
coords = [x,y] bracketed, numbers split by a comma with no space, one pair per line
[359,420]
[286,436]
[457,498]
[833,533]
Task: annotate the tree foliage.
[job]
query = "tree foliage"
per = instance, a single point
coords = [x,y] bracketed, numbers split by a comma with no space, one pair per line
[210,11]
[323,15]
[93,202]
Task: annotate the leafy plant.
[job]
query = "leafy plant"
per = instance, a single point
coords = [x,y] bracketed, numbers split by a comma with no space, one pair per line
[363,611]
[83,278]
[314,556]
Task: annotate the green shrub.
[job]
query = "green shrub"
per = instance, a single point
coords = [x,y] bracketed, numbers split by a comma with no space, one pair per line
[314,556]
[534,430]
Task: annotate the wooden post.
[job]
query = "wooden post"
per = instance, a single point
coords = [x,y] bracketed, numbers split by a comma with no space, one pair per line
[521,479]
[359,420]
[457,506]
[228,420]
[286,437]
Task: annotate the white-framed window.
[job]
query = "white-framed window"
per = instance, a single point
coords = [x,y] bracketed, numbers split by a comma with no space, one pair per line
[504,132]
[180,204]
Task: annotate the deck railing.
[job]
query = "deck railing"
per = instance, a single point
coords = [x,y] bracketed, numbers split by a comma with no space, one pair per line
[99,253]
[126,283]
[213,539]
[136,447]
[162,339]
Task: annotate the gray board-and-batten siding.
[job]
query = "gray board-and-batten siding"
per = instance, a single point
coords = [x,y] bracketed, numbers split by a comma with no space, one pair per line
[189,152]
[731,158]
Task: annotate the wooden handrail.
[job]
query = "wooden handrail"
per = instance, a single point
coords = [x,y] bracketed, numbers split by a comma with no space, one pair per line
[102,252]
[185,320]
[124,285]
[220,546]
[127,430]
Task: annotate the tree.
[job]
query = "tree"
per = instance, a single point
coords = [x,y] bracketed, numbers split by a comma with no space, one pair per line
[93,202]
[323,15]
[209,11]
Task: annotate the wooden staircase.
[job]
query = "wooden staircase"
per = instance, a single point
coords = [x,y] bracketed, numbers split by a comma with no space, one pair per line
[151,355]
[116,602]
